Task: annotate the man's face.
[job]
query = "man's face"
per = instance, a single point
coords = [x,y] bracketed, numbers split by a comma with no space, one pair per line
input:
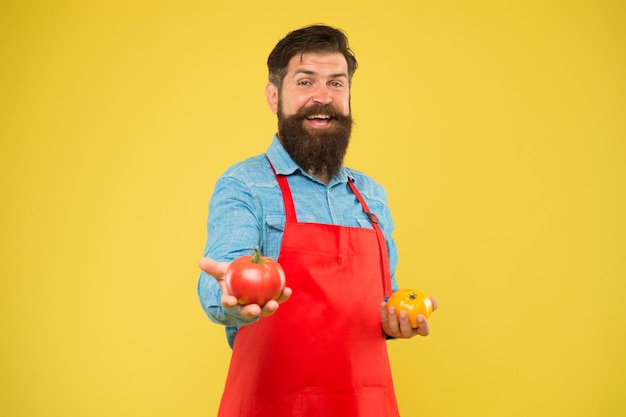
[316,78]
[313,108]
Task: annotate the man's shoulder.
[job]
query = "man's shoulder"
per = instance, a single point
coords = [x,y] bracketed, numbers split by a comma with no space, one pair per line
[249,174]
[249,168]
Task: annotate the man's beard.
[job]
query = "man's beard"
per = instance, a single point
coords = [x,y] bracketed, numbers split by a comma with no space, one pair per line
[317,151]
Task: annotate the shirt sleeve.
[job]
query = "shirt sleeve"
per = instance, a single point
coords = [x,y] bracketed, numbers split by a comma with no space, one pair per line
[233,231]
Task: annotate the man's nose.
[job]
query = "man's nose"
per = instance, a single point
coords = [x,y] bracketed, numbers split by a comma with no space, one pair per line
[323,95]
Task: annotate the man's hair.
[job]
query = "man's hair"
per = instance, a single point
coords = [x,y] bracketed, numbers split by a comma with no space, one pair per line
[318,39]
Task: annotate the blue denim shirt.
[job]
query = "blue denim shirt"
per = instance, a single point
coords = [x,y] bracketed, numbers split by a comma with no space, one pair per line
[246,212]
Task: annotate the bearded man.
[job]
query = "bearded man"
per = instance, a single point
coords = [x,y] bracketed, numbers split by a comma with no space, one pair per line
[330,228]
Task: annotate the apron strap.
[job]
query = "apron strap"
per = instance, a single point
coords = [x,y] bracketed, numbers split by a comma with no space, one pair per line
[290,209]
[381,240]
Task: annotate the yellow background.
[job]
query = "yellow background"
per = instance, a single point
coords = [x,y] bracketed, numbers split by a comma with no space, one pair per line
[497,127]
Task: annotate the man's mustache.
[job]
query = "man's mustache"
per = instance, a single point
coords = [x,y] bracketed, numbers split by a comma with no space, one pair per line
[321,109]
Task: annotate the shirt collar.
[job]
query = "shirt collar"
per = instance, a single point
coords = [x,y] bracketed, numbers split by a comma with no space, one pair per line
[284,165]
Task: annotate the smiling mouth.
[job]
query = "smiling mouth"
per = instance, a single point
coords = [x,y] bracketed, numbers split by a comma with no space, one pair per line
[320,119]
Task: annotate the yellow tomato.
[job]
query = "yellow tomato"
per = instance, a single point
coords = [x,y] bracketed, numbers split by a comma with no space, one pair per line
[413,302]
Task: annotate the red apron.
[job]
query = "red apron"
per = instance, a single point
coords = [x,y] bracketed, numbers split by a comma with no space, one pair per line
[323,353]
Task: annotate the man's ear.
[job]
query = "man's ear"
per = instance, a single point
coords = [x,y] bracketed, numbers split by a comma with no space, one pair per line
[271,94]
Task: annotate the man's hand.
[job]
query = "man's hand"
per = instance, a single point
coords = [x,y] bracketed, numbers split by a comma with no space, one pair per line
[218,270]
[398,325]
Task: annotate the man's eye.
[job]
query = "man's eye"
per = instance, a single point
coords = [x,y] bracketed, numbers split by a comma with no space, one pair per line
[336,84]
[304,82]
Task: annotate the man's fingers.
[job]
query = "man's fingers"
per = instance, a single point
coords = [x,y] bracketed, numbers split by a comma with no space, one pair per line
[390,321]
[383,315]
[269,308]
[435,303]
[406,330]
[214,268]
[284,296]
[250,310]
[384,318]
[229,301]
[423,328]
[397,323]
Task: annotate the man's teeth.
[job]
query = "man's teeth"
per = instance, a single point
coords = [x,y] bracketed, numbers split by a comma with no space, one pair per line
[319,116]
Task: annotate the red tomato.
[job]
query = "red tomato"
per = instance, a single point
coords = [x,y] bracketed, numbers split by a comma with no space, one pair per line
[413,302]
[255,279]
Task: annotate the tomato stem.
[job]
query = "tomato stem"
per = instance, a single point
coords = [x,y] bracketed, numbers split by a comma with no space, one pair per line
[256,257]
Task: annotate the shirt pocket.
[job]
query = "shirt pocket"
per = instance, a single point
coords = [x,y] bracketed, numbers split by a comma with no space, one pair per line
[273,233]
